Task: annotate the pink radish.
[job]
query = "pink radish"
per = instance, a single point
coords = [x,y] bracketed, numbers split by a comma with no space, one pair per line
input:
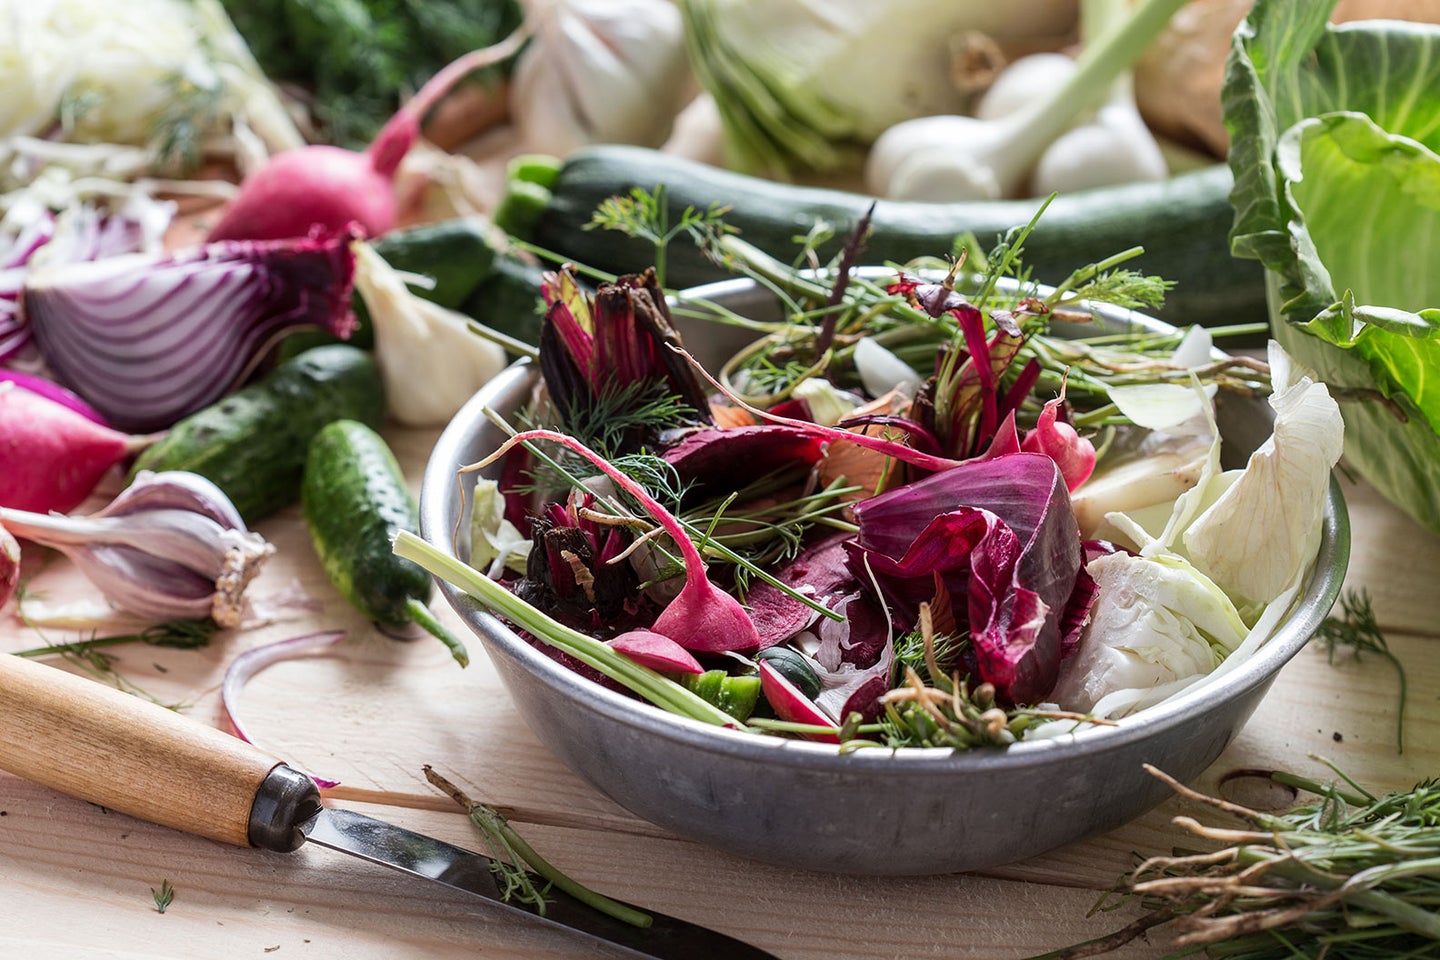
[51,457]
[650,649]
[333,187]
[702,616]
[791,705]
[51,390]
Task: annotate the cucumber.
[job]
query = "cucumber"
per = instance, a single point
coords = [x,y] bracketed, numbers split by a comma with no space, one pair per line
[509,299]
[793,666]
[457,254]
[252,443]
[355,502]
[1183,223]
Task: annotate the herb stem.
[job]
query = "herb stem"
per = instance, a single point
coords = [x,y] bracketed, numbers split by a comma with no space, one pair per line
[655,687]
[497,828]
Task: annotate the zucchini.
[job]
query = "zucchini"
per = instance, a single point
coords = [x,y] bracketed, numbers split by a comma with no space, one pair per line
[252,443]
[355,502]
[1183,223]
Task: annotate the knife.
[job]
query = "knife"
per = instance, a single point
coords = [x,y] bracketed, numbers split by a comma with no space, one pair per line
[96,743]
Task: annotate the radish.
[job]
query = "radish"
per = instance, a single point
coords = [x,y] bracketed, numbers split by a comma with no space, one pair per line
[333,187]
[51,457]
[653,650]
[702,616]
[793,706]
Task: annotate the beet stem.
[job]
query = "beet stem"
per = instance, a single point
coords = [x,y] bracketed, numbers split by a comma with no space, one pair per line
[399,133]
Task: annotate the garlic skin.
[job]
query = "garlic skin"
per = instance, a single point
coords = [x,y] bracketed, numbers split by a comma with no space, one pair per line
[170,547]
[429,359]
[600,71]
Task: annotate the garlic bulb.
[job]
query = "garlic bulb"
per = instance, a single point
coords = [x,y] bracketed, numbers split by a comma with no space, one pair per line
[170,546]
[600,71]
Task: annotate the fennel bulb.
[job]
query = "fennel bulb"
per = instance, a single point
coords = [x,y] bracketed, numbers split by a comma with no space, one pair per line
[802,85]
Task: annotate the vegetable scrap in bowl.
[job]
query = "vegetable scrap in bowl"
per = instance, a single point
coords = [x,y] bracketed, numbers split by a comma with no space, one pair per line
[899,512]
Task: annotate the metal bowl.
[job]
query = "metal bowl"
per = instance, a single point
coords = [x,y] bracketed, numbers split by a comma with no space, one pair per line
[803,804]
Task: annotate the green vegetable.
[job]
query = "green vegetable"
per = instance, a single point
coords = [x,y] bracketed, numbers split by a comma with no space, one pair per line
[736,695]
[793,666]
[801,85]
[252,444]
[355,502]
[1181,222]
[508,300]
[359,57]
[1335,132]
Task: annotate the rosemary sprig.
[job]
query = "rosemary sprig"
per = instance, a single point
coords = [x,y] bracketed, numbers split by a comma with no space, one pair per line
[1351,876]
[1357,629]
[163,897]
[510,853]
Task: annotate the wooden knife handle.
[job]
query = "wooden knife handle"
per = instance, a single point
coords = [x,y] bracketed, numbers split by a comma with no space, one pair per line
[96,743]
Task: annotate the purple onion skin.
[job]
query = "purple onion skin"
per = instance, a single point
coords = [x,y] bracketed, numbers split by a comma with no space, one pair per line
[147,340]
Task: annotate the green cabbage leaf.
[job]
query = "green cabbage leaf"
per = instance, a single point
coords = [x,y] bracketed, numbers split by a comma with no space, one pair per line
[1334,139]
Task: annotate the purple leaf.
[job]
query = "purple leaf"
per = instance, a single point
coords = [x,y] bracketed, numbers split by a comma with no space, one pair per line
[1001,533]
[737,455]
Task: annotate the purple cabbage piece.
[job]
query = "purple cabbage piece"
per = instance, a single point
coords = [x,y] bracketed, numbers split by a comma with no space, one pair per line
[736,455]
[1001,534]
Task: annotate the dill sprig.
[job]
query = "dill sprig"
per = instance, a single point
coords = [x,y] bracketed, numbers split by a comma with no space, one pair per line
[644,214]
[510,854]
[616,413]
[1351,876]
[1357,629]
[91,656]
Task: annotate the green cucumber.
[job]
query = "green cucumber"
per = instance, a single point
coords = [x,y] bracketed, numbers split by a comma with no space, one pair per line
[1182,222]
[355,502]
[793,666]
[508,300]
[252,443]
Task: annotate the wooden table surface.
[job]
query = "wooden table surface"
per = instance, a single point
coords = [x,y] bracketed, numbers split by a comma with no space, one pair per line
[77,879]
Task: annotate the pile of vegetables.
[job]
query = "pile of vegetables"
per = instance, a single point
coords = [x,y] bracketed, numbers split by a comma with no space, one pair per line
[888,521]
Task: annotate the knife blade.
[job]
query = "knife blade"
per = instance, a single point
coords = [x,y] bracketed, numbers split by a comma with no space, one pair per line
[99,744]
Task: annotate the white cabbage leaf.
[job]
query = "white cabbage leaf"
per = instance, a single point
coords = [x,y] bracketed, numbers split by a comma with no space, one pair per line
[1264,529]
[1156,621]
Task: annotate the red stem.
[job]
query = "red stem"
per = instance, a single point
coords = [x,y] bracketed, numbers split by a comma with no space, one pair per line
[400,131]
[694,563]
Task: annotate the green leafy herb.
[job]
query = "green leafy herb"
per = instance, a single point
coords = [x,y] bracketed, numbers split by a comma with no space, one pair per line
[90,656]
[358,58]
[163,897]
[1357,629]
[510,853]
[1350,877]
[644,214]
